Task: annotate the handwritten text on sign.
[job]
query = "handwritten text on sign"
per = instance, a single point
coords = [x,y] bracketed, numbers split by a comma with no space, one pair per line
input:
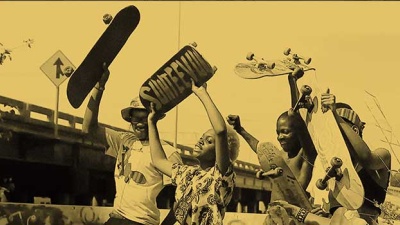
[172,82]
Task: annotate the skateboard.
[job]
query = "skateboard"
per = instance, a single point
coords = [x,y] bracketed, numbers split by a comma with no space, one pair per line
[259,67]
[333,169]
[285,185]
[107,47]
[171,84]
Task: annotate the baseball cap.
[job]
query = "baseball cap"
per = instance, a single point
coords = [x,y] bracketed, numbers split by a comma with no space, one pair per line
[127,112]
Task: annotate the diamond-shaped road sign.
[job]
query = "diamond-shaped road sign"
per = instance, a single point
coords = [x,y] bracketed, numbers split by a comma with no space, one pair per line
[58,68]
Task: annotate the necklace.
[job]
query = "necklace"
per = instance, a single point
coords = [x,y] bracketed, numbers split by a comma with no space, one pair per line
[305,159]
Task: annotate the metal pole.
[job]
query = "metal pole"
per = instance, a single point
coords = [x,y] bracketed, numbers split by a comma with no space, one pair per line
[56,112]
[176,128]
[176,108]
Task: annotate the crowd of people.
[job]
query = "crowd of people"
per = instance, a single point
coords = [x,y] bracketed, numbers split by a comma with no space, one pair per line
[145,163]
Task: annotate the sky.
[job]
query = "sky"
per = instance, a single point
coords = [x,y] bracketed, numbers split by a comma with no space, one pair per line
[354,47]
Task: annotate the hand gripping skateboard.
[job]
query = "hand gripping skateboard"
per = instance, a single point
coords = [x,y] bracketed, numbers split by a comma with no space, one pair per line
[105,50]
[285,184]
[171,84]
[259,67]
[333,170]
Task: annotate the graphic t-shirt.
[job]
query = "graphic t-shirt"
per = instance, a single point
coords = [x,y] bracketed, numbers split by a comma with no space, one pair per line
[137,181]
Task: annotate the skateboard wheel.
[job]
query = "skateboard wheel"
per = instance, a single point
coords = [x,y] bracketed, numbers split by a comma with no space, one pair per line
[259,174]
[321,185]
[271,65]
[68,71]
[305,89]
[336,162]
[214,68]
[287,51]
[250,56]
[107,18]
[194,44]
[298,72]
[307,61]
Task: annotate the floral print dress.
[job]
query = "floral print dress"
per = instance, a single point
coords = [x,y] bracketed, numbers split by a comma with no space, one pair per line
[202,195]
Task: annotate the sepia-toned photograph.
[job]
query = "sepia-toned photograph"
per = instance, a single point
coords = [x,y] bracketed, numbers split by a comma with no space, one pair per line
[199,112]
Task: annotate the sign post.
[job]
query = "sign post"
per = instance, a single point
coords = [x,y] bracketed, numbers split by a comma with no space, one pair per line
[57,68]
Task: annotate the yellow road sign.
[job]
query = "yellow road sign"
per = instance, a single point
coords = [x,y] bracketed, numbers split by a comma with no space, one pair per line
[58,68]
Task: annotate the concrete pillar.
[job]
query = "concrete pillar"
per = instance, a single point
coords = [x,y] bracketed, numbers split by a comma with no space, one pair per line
[239,208]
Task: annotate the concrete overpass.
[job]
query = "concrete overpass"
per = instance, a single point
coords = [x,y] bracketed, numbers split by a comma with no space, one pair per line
[30,141]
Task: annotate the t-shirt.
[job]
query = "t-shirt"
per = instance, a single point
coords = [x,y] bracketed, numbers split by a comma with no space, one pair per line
[202,195]
[137,181]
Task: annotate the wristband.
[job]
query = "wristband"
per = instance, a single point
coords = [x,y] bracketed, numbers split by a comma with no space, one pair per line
[301,215]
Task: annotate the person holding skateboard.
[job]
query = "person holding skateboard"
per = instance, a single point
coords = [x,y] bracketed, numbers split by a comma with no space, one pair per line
[292,134]
[204,190]
[137,180]
[299,154]
[373,167]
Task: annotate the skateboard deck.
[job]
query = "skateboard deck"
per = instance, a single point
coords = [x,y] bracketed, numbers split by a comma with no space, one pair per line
[333,169]
[258,67]
[105,50]
[285,184]
[171,84]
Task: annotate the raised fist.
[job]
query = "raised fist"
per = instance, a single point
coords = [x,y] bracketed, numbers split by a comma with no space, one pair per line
[234,121]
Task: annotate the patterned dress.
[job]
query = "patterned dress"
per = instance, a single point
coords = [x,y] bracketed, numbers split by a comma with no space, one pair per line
[202,195]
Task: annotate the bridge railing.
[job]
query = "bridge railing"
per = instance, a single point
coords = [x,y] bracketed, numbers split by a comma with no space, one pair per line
[23,112]
[30,112]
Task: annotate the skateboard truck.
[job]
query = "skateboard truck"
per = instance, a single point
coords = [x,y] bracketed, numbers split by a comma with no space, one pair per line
[260,62]
[275,172]
[331,172]
[305,100]
[194,45]
[296,57]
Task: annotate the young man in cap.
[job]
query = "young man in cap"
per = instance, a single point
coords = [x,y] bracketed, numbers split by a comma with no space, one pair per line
[137,181]
[373,167]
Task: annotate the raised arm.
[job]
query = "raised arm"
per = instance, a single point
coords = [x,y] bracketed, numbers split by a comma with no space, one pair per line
[294,90]
[304,136]
[90,125]
[234,121]
[218,123]
[301,127]
[373,160]
[158,156]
